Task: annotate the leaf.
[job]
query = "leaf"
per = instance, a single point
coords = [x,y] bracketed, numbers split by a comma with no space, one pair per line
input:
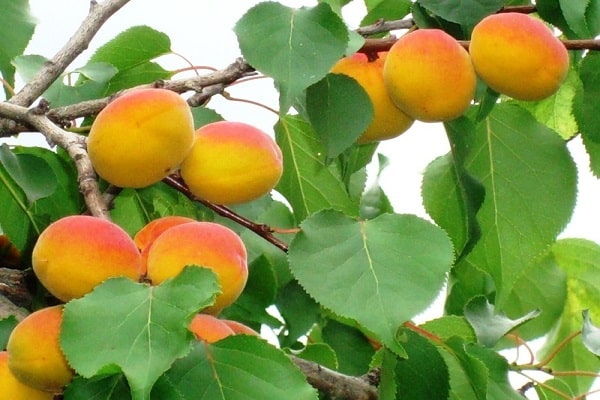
[308,183]
[6,326]
[450,325]
[465,12]
[556,111]
[590,334]
[585,115]
[522,164]
[385,9]
[134,328]
[113,387]
[374,201]
[204,115]
[296,47]
[236,368]
[131,53]
[299,311]
[498,386]
[31,173]
[469,372]
[580,260]
[320,353]
[352,348]
[339,110]
[423,374]
[490,326]
[16,29]
[379,272]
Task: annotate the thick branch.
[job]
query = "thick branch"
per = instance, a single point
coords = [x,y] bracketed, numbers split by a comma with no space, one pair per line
[74,145]
[337,386]
[98,15]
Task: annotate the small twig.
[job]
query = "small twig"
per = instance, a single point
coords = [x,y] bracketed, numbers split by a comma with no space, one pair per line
[557,349]
[80,40]
[261,230]
[383,26]
[337,386]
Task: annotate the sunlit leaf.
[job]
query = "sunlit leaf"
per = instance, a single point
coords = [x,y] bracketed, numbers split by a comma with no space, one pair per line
[134,328]
[379,272]
[237,368]
[465,12]
[296,47]
[489,325]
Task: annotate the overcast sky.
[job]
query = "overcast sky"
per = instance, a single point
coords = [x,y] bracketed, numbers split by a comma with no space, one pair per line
[202,32]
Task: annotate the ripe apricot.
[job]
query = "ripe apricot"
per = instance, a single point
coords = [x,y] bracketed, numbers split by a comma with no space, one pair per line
[205,244]
[209,328]
[153,229]
[141,137]
[388,121]
[231,163]
[429,76]
[14,389]
[517,55]
[76,253]
[34,354]
[238,328]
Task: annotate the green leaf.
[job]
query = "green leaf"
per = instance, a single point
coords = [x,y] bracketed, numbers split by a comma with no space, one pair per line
[236,368]
[580,260]
[6,326]
[465,12]
[450,325]
[556,111]
[16,29]
[299,311]
[380,272]
[469,375]
[134,328]
[308,183]
[587,119]
[296,47]
[423,374]
[113,387]
[131,53]
[522,164]
[352,348]
[542,286]
[31,173]
[590,334]
[388,10]
[466,282]
[320,353]
[339,110]
[498,386]
[490,326]
[374,201]
[204,115]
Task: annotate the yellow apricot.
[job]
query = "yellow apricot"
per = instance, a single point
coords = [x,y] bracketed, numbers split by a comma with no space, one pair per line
[388,121]
[231,163]
[209,328]
[429,76]
[153,229]
[238,328]
[76,253]
[141,137]
[34,354]
[517,55]
[14,389]
[205,244]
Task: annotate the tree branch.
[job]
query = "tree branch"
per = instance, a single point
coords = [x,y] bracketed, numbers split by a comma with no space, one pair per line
[75,146]
[337,386]
[98,15]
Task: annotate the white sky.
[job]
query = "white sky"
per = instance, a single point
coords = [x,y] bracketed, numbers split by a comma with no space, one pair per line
[202,32]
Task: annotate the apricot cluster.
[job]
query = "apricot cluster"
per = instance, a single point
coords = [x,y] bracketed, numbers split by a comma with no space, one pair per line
[144,135]
[427,75]
[76,253]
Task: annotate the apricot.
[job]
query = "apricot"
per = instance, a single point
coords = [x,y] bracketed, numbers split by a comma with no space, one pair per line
[34,354]
[141,137]
[429,76]
[517,55]
[153,229]
[238,328]
[388,121]
[14,389]
[209,328]
[76,253]
[231,163]
[204,244]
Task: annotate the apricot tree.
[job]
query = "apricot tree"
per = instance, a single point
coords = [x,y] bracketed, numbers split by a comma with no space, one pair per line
[124,260]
